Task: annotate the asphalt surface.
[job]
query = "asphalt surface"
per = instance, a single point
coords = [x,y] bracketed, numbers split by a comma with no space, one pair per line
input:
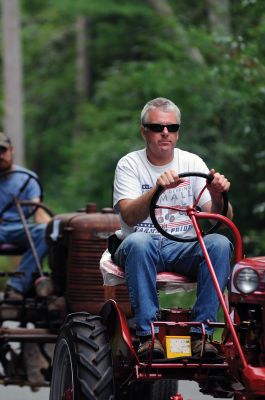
[188,389]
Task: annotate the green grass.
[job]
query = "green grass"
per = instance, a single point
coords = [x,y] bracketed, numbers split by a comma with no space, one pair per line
[7,264]
[10,263]
[181,299]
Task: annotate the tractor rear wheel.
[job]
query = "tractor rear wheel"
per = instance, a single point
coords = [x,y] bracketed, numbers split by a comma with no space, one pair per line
[82,364]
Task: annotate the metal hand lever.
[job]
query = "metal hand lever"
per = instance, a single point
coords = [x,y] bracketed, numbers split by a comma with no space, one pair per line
[28,234]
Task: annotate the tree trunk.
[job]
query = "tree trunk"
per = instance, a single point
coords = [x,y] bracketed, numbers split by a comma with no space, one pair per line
[83,67]
[12,74]
[163,9]
[82,57]
[219,17]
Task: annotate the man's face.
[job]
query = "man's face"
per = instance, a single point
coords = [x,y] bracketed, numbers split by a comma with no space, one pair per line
[160,145]
[6,158]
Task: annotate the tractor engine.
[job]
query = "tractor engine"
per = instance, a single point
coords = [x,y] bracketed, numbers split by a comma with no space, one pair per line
[76,242]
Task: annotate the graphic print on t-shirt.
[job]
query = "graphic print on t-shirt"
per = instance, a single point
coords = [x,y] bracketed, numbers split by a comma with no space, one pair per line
[172,221]
[135,175]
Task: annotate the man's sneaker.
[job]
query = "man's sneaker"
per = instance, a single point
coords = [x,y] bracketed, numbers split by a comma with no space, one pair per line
[197,347]
[144,349]
[13,294]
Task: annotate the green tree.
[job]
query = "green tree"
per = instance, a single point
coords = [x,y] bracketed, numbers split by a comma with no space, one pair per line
[139,50]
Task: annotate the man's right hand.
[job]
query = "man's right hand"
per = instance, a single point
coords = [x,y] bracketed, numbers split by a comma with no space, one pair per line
[169,179]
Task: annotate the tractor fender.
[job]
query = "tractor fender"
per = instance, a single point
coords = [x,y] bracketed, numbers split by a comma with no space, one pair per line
[119,332]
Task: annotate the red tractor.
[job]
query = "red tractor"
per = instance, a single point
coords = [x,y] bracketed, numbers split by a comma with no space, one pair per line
[95,356]
[93,326]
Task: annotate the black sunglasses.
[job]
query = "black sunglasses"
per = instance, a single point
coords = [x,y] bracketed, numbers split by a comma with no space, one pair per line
[159,127]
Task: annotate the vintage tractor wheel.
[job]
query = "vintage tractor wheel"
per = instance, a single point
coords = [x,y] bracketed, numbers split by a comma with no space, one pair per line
[82,365]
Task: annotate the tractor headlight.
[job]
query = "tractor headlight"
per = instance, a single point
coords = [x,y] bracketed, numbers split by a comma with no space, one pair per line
[246,280]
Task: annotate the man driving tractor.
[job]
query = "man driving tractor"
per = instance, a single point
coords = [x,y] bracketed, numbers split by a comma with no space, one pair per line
[142,251]
[11,228]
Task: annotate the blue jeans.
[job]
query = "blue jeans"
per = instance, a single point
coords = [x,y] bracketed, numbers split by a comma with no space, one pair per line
[15,233]
[143,255]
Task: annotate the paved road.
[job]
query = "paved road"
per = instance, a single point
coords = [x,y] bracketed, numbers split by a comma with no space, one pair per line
[189,391]
[17,393]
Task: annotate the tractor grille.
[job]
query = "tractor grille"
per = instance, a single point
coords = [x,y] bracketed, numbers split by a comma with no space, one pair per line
[85,291]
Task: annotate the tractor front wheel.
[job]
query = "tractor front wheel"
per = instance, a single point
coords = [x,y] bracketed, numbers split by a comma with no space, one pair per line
[82,364]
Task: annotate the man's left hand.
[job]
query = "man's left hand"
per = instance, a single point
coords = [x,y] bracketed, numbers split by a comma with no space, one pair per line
[219,184]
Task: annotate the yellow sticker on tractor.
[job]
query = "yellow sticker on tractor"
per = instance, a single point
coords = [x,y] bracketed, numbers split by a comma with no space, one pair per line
[178,346]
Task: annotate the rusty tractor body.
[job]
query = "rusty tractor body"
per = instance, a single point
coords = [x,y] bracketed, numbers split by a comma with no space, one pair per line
[76,241]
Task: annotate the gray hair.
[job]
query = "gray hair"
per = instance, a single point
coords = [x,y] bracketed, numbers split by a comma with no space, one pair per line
[162,103]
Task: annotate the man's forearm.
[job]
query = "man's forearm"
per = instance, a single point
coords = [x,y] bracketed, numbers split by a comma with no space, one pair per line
[136,210]
[41,217]
[217,207]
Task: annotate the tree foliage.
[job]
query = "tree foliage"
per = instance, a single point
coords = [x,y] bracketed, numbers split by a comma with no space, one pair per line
[137,53]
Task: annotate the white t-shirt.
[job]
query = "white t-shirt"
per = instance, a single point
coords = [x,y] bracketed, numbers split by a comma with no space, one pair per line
[135,175]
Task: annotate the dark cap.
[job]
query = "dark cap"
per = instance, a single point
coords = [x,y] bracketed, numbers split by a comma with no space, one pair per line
[4,140]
